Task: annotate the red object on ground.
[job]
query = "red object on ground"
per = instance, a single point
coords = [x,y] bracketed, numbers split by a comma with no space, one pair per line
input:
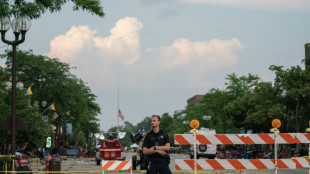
[47,162]
[82,153]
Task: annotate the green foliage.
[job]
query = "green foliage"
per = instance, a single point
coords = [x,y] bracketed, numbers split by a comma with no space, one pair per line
[262,104]
[166,122]
[145,125]
[35,9]
[294,88]
[52,82]
[237,86]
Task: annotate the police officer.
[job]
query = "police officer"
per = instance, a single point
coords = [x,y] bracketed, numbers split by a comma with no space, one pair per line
[156,145]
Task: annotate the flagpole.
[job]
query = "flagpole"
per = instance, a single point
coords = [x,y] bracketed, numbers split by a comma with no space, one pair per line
[44,110]
[118,112]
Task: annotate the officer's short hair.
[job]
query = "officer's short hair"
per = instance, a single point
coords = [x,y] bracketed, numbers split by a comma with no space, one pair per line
[156,116]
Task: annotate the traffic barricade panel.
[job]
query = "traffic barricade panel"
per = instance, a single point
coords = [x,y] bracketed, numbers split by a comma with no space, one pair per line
[116,165]
[282,138]
[233,164]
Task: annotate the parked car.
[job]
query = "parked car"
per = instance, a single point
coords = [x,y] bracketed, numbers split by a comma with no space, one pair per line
[204,150]
[74,153]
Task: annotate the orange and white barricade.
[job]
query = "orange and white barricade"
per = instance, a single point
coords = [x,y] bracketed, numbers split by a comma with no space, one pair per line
[233,164]
[302,162]
[242,164]
[282,138]
[116,165]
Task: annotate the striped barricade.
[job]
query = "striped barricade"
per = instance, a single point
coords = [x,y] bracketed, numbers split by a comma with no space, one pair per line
[233,164]
[302,162]
[282,138]
[116,165]
[303,138]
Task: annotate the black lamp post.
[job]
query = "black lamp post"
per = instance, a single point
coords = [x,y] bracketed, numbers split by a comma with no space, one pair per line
[19,26]
[206,118]
[186,123]
[88,132]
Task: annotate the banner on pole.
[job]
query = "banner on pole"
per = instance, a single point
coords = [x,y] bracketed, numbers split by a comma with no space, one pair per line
[69,129]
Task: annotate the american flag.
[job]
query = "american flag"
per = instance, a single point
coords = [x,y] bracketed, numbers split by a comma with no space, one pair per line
[120,114]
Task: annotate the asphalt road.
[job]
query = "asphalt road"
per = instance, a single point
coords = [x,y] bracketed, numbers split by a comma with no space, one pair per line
[79,165]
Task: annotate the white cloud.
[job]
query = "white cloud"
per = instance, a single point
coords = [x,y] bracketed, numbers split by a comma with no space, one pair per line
[75,41]
[265,4]
[123,43]
[106,60]
[210,54]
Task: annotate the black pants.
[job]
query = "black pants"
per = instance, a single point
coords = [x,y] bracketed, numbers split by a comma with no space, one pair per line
[161,167]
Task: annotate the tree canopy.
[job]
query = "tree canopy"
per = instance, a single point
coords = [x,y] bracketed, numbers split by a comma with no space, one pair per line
[34,9]
[50,81]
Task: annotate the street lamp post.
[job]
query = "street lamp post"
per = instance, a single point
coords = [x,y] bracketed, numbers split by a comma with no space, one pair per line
[186,123]
[19,26]
[5,144]
[88,132]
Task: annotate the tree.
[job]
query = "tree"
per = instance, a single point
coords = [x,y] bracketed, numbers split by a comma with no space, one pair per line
[4,97]
[294,87]
[35,9]
[259,107]
[214,101]
[130,126]
[145,125]
[237,86]
[52,82]
[166,123]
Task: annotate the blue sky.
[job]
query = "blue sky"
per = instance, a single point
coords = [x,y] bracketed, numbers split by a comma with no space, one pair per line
[159,53]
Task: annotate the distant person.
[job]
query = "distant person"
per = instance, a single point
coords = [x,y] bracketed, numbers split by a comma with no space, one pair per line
[18,155]
[156,146]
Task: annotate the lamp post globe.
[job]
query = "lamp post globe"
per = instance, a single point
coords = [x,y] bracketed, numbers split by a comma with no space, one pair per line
[20,85]
[206,118]
[43,103]
[5,24]
[8,85]
[19,26]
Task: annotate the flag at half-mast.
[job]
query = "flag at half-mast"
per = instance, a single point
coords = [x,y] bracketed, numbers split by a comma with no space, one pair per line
[29,91]
[120,115]
[52,107]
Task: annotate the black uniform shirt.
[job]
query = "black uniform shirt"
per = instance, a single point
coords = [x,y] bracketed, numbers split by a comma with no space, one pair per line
[156,139]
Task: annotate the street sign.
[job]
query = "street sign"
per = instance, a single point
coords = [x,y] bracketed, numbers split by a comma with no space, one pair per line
[48,142]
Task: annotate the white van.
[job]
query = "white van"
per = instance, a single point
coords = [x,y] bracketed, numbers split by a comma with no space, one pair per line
[204,150]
